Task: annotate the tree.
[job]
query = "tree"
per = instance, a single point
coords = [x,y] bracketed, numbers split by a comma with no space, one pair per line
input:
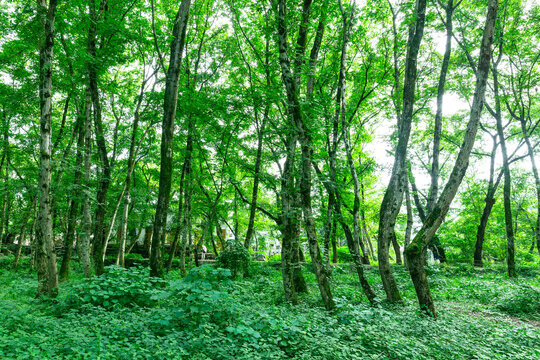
[169,114]
[417,247]
[393,196]
[45,249]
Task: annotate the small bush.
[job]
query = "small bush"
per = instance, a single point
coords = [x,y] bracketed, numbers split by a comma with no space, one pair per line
[274,258]
[520,301]
[117,287]
[200,297]
[343,255]
[234,257]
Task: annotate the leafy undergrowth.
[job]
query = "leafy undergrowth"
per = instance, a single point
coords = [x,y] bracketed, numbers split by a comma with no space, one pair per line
[207,315]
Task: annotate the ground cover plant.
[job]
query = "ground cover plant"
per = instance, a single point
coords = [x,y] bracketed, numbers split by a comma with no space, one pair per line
[210,315]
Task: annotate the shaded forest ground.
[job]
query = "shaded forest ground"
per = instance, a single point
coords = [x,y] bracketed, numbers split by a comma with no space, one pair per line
[123,315]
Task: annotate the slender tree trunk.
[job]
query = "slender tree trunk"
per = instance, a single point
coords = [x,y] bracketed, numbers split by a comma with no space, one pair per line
[507,185]
[328,229]
[253,204]
[490,201]
[22,235]
[83,243]
[45,249]
[536,177]
[393,196]
[105,174]
[5,198]
[186,220]
[434,188]
[127,184]
[364,222]
[295,113]
[410,223]
[417,247]
[397,251]
[169,114]
[74,204]
[174,245]
[334,241]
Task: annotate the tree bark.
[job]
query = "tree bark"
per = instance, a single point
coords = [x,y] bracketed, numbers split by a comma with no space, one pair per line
[410,223]
[434,187]
[169,115]
[45,249]
[490,201]
[105,175]
[530,149]
[83,243]
[253,205]
[296,115]
[74,203]
[31,210]
[186,220]
[507,185]
[416,249]
[393,196]
[356,241]
[174,245]
[288,222]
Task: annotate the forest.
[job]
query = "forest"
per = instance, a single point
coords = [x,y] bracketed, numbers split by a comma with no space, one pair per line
[283,179]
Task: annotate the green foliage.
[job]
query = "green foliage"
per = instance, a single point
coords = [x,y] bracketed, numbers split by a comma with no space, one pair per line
[208,316]
[274,258]
[234,257]
[117,287]
[344,255]
[521,300]
[200,297]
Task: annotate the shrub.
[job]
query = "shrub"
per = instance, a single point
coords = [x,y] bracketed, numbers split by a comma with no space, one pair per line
[117,287]
[519,301]
[343,255]
[234,257]
[274,258]
[200,297]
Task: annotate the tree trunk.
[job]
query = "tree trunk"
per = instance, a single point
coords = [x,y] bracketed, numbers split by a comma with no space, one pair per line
[174,245]
[45,249]
[410,223]
[536,177]
[74,203]
[186,220]
[296,115]
[434,188]
[364,222]
[288,223]
[417,247]
[27,217]
[83,243]
[490,201]
[397,251]
[127,185]
[507,186]
[334,241]
[5,198]
[299,282]
[393,196]
[169,114]
[105,174]
[253,205]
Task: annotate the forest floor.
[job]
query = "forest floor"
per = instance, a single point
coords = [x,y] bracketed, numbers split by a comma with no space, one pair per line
[482,315]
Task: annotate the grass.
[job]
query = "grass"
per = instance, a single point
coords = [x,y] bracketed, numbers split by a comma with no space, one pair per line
[482,315]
